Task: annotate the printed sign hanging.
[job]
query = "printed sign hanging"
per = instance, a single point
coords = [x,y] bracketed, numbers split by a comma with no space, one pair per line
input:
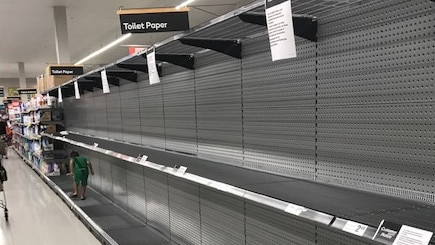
[152,67]
[105,82]
[59,91]
[153,20]
[76,90]
[390,233]
[280,28]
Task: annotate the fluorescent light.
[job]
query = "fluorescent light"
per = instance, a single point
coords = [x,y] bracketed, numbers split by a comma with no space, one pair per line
[184,4]
[101,50]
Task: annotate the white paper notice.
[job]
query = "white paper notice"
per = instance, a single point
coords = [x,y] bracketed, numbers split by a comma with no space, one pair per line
[143,159]
[48,99]
[59,91]
[355,228]
[76,89]
[295,209]
[412,236]
[280,28]
[105,82]
[152,67]
[181,170]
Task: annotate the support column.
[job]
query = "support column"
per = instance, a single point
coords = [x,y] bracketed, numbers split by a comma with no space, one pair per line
[61,35]
[22,79]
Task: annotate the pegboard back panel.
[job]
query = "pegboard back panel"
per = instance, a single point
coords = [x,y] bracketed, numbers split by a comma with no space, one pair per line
[222,218]
[279,110]
[151,114]
[157,201]
[119,182]
[114,119]
[375,99]
[219,109]
[136,200]
[179,112]
[87,113]
[131,120]
[100,106]
[371,13]
[185,220]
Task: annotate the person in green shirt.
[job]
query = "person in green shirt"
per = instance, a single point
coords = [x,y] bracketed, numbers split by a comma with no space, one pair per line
[80,167]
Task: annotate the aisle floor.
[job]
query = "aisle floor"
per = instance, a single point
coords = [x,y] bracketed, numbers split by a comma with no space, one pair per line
[36,214]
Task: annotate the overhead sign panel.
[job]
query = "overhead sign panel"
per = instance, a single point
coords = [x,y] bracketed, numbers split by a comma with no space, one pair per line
[66,70]
[154,20]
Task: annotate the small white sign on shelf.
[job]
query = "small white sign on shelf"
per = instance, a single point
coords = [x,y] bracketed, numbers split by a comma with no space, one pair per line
[143,159]
[181,170]
[409,235]
[295,209]
[355,228]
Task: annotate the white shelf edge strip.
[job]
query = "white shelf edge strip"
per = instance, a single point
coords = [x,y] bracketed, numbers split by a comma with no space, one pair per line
[310,214]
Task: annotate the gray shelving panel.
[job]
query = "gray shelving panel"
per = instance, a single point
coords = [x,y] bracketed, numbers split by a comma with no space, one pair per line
[152,114]
[136,191]
[179,109]
[219,108]
[157,201]
[130,113]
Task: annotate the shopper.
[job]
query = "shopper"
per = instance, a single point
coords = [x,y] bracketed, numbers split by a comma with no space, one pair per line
[3,149]
[3,126]
[80,167]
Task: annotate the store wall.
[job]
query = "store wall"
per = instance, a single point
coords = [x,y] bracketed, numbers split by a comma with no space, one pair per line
[15,83]
[354,109]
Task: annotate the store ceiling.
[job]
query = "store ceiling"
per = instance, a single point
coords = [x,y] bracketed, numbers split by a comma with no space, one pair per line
[27,29]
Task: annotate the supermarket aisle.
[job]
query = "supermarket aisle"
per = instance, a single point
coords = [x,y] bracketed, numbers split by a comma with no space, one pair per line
[36,214]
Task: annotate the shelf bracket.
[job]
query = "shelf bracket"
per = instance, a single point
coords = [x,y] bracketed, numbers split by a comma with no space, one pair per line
[304,26]
[129,76]
[86,85]
[134,67]
[70,87]
[111,80]
[231,47]
[184,60]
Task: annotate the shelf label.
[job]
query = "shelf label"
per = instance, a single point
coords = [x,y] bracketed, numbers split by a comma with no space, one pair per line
[295,209]
[181,170]
[412,236]
[143,159]
[355,228]
[386,232]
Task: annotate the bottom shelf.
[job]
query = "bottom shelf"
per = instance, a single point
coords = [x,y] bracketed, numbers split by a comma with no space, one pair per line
[48,169]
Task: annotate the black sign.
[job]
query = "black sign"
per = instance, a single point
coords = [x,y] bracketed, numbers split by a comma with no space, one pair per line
[2,92]
[154,22]
[66,70]
[13,98]
[387,232]
[27,91]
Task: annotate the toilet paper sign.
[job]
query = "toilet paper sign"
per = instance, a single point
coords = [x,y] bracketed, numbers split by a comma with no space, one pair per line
[153,20]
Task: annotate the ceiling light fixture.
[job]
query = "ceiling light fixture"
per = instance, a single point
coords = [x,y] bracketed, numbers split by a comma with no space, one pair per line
[101,50]
[184,4]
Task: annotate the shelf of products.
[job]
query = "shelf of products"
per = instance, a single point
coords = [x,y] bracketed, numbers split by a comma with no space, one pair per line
[36,117]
